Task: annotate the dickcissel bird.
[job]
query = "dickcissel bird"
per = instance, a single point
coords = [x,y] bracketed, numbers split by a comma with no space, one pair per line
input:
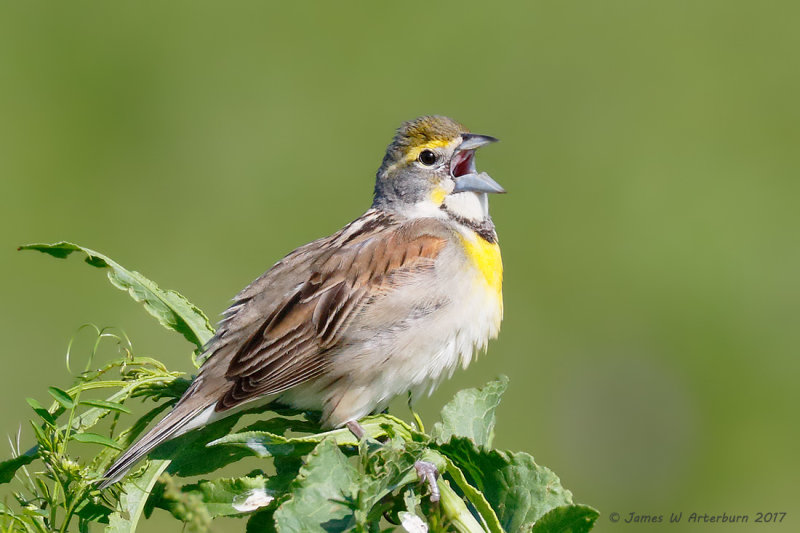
[391,303]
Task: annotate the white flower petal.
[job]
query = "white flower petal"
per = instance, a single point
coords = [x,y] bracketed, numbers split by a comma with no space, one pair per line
[252,500]
[412,523]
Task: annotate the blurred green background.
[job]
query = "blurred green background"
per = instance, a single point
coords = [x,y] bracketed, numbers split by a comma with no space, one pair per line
[650,235]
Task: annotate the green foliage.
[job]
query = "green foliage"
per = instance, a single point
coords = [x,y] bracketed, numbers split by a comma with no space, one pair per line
[311,480]
[9,467]
[317,498]
[221,497]
[134,493]
[471,414]
[566,519]
[170,308]
[519,490]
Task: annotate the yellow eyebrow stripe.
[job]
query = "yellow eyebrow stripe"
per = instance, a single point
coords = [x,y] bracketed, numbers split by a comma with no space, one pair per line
[430,145]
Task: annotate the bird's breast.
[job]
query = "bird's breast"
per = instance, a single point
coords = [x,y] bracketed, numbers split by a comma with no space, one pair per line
[484,256]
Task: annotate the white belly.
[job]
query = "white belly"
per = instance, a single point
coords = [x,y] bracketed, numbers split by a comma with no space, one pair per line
[420,335]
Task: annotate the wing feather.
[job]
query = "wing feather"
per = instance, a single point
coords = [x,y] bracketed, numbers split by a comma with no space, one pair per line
[294,342]
[283,328]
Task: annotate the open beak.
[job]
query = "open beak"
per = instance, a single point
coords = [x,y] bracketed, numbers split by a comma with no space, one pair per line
[462,166]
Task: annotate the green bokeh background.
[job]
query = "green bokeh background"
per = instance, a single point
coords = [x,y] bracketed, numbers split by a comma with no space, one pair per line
[651,151]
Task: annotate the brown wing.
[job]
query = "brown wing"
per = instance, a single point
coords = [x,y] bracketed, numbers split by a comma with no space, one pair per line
[293,343]
[280,329]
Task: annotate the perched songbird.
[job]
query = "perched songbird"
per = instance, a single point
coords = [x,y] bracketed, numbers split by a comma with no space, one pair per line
[391,303]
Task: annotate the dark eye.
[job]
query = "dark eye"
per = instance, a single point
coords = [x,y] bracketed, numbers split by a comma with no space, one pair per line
[427,158]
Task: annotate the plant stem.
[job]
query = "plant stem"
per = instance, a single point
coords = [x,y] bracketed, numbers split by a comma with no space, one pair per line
[456,510]
[417,419]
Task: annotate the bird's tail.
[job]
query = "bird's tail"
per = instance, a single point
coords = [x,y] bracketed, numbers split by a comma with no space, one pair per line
[168,427]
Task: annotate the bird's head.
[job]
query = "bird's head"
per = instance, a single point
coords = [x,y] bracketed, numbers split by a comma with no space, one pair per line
[430,166]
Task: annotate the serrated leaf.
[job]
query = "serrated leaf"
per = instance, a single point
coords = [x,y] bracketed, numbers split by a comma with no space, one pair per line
[171,309]
[94,438]
[9,467]
[316,502]
[268,444]
[519,490]
[103,404]
[471,414]
[567,519]
[62,397]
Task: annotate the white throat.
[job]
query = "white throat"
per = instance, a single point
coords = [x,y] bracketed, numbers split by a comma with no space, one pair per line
[469,205]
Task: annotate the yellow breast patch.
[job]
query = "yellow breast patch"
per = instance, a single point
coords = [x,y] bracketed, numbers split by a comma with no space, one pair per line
[486,258]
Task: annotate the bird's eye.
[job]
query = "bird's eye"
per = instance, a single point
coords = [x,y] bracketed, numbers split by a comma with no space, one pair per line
[427,158]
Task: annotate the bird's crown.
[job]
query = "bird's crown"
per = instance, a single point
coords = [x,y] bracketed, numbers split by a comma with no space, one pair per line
[432,131]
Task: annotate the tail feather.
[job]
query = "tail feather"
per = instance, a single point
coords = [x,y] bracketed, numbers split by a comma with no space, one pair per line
[170,426]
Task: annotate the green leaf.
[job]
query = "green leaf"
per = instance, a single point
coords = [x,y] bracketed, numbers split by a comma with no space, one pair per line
[316,502]
[22,523]
[226,497]
[43,413]
[41,437]
[519,490]
[61,397]
[189,455]
[171,309]
[94,438]
[412,516]
[103,404]
[133,497]
[90,417]
[286,471]
[386,468]
[9,467]
[268,444]
[567,519]
[188,507]
[94,512]
[124,439]
[476,498]
[261,522]
[470,414]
